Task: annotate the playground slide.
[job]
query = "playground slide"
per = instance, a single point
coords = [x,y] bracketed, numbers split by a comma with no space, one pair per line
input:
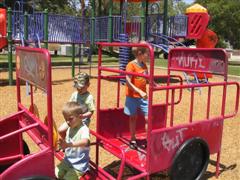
[209,39]
[164,42]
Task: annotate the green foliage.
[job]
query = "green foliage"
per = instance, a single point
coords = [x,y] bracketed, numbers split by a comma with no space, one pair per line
[225,19]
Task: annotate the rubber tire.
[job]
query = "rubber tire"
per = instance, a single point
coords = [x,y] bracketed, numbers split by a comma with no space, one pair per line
[190,161]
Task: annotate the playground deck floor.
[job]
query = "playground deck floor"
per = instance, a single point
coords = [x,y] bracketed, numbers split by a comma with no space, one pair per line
[62,89]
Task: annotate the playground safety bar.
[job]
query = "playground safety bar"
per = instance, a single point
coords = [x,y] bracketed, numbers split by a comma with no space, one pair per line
[9,158]
[168,39]
[40,143]
[123,158]
[19,131]
[209,85]
[31,115]
[11,116]
[130,73]
[193,71]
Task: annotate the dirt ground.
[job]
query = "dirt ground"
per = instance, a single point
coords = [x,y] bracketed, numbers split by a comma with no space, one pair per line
[62,89]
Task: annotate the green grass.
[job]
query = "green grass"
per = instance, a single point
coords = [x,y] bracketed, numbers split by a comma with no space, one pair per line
[232,69]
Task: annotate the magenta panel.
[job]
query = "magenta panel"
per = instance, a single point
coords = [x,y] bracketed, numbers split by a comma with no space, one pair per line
[32,66]
[36,164]
[9,146]
[198,60]
[165,142]
[115,123]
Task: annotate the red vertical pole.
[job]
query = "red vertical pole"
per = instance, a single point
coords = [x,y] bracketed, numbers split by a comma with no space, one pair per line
[49,102]
[150,99]
[98,98]
[191,105]
[208,101]
[118,92]
[172,107]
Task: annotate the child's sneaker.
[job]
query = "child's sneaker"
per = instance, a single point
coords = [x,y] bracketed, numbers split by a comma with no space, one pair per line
[133,144]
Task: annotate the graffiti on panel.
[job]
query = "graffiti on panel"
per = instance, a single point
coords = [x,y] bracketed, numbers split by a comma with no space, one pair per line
[205,60]
[171,142]
[32,67]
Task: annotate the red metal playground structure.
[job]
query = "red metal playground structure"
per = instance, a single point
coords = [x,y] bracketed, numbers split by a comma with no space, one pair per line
[161,31]
[183,148]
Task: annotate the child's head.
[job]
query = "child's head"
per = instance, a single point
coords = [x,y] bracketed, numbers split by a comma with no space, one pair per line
[141,53]
[71,112]
[81,82]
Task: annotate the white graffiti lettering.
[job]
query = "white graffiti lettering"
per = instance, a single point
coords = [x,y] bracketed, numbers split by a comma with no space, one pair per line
[193,61]
[170,143]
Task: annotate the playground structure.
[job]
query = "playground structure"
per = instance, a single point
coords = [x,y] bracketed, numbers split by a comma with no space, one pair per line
[85,31]
[170,146]
[33,66]
[167,141]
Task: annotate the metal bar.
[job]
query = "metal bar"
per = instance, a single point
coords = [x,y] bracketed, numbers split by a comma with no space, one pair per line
[73,60]
[191,105]
[122,72]
[9,35]
[172,108]
[118,93]
[45,14]
[98,99]
[49,103]
[139,176]
[19,131]
[110,22]
[194,85]
[208,101]
[224,99]
[9,158]
[26,26]
[12,116]
[123,158]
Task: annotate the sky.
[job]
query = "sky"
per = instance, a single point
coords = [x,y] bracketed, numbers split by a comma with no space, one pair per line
[188,1]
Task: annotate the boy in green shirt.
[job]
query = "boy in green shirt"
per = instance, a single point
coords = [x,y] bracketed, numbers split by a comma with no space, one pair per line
[81,96]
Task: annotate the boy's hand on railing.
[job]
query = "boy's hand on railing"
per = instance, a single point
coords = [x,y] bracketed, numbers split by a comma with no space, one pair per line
[143,94]
[63,144]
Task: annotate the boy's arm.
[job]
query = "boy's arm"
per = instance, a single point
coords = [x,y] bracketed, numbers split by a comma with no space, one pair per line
[86,115]
[134,88]
[81,143]
[91,108]
[62,130]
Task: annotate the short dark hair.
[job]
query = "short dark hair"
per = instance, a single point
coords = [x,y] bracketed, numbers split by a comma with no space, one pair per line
[139,50]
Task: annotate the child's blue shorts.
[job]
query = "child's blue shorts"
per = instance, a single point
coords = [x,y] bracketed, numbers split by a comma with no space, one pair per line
[132,104]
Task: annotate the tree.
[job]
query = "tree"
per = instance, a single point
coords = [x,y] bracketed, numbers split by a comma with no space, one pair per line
[225,19]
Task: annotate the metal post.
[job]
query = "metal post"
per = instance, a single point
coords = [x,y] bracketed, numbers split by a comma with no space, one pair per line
[73,60]
[165,17]
[26,25]
[110,22]
[9,37]
[146,19]
[2,3]
[93,23]
[143,20]
[99,7]
[45,14]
